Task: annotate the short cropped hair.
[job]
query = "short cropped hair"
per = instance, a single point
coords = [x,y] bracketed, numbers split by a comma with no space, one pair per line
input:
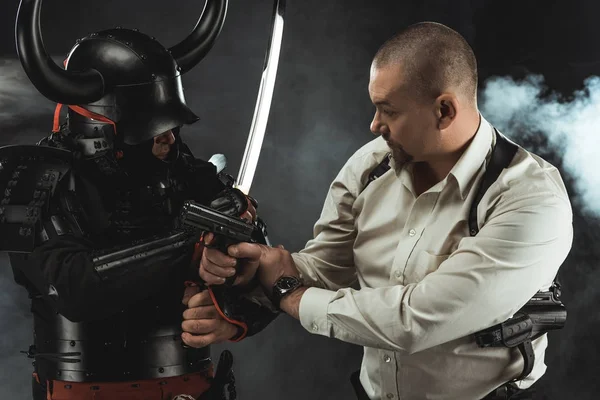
[434,58]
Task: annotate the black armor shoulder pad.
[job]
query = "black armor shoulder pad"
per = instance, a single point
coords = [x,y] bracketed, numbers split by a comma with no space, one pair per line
[29,175]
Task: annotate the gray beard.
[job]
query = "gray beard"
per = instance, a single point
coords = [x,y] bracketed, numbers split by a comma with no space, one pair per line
[401,157]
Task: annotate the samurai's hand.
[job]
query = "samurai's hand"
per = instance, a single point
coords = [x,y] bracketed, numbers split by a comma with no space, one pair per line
[202,325]
[234,202]
[215,266]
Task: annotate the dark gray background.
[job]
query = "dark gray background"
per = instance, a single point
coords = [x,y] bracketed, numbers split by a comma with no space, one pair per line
[320,116]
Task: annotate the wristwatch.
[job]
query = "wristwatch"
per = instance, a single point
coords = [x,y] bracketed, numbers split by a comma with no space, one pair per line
[284,286]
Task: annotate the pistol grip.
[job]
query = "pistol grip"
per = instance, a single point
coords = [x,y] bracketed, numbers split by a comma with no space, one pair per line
[222,243]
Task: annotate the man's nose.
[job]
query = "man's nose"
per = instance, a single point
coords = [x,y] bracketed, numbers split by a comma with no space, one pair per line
[170,137]
[166,138]
[376,124]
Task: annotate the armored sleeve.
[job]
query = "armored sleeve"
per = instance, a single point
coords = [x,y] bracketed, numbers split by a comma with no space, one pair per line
[63,272]
[254,308]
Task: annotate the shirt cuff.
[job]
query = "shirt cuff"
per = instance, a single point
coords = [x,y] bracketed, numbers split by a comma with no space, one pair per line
[313,310]
[303,269]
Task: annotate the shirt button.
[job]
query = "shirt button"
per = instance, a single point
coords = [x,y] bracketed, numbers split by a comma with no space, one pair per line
[398,274]
[387,358]
[389,396]
[315,327]
[412,232]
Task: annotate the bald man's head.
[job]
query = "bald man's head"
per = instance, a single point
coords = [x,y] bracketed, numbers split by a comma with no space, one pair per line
[434,59]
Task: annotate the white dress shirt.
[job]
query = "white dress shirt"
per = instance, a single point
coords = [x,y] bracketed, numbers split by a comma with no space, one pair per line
[426,285]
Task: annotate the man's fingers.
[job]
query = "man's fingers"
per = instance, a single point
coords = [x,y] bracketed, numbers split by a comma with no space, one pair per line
[250,251]
[215,266]
[199,340]
[208,238]
[202,312]
[216,257]
[247,272]
[200,299]
[218,270]
[200,326]
[221,331]
[211,279]
[188,293]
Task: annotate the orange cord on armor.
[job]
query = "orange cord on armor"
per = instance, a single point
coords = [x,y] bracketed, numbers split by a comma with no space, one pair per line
[198,249]
[56,123]
[218,308]
[86,113]
[231,321]
[81,111]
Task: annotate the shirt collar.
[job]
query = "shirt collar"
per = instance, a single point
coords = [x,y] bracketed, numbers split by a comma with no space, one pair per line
[469,164]
[466,168]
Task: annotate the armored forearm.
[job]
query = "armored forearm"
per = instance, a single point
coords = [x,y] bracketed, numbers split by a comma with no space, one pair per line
[240,305]
[115,260]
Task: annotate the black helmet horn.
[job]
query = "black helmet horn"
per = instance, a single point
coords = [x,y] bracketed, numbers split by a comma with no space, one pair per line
[83,87]
[191,50]
[57,84]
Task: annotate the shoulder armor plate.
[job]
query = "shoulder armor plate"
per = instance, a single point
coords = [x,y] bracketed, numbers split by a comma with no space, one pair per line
[29,175]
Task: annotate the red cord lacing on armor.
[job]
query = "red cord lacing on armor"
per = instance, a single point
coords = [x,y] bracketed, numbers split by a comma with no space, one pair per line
[198,249]
[230,320]
[81,111]
[86,113]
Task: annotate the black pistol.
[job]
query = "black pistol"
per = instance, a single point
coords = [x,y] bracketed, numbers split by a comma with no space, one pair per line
[228,230]
[544,312]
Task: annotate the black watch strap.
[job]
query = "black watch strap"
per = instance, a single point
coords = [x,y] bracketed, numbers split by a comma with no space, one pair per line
[284,286]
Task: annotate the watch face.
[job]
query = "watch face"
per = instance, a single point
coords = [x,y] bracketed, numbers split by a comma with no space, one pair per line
[284,286]
[287,282]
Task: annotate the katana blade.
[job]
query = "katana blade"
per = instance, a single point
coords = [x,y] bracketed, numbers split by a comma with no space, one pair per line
[263,102]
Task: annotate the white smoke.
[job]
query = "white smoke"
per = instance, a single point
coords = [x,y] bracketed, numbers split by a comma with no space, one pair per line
[19,99]
[521,109]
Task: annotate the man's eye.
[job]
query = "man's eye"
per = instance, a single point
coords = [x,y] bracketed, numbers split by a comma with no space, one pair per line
[389,112]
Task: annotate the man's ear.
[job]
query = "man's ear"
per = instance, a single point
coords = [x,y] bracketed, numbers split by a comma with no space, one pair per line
[446,106]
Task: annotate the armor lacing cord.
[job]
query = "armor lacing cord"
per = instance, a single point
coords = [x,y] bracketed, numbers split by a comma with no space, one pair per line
[32,353]
[56,123]
[239,324]
[86,113]
[230,320]
[81,111]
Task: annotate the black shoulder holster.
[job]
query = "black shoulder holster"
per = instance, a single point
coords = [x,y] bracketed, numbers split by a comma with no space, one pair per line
[545,311]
